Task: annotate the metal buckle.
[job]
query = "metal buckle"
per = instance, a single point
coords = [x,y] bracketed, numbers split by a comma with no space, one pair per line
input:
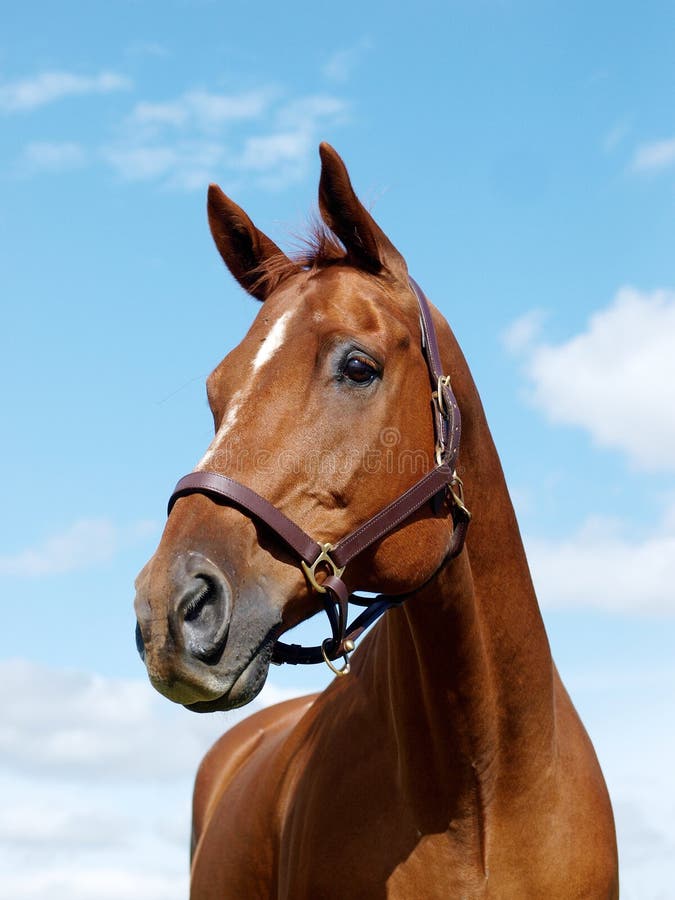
[322,559]
[458,496]
[443,382]
[437,397]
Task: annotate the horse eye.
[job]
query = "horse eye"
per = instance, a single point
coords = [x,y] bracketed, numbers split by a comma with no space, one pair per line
[360,370]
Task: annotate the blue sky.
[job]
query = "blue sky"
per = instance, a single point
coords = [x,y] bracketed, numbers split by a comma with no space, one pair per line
[521,156]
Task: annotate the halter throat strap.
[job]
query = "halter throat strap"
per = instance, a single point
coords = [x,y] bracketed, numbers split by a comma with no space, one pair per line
[439,483]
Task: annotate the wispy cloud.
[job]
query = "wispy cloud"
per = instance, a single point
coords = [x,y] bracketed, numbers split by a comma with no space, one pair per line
[48,87]
[616,135]
[79,724]
[655,156]
[604,566]
[260,136]
[89,794]
[627,708]
[36,826]
[614,379]
[341,64]
[83,545]
[521,334]
[52,156]
[202,110]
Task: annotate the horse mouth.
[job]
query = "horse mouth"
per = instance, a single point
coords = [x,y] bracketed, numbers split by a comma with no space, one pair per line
[246,684]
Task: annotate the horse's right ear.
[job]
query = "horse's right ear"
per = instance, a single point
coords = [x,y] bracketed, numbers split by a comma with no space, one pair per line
[255,261]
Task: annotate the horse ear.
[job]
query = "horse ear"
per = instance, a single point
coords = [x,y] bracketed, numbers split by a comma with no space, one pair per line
[367,245]
[255,261]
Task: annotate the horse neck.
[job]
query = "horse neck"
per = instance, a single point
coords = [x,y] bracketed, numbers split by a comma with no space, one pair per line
[465,665]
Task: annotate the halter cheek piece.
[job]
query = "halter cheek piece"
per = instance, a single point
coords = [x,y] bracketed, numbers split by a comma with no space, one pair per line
[439,483]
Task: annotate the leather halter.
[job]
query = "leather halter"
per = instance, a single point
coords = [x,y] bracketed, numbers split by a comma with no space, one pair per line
[435,485]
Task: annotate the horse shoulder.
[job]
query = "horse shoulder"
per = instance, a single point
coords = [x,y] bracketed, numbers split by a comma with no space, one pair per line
[235,749]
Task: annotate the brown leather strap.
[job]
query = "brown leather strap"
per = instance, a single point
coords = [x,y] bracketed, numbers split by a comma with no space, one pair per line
[383,522]
[392,515]
[221,486]
[447,419]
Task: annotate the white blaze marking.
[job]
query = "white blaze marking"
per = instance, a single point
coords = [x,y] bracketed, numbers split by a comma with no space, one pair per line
[273,340]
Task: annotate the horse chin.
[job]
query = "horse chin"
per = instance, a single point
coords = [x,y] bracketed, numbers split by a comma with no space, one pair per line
[246,686]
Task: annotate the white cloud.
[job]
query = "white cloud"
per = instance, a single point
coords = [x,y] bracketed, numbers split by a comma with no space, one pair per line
[83,545]
[654,156]
[87,726]
[341,64]
[53,156]
[260,136]
[616,135]
[307,113]
[202,110]
[201,136]
[522,333]
[48,87]
[273,150]
[183,164]
[141,163]
[627,708]
[35,824]
[605,565]
[616,379]
[96,777]
[71,881]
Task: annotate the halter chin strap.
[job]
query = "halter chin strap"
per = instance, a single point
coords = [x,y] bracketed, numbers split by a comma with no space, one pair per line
[439,484]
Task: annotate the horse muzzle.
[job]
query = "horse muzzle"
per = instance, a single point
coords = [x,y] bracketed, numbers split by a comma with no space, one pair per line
[183,620]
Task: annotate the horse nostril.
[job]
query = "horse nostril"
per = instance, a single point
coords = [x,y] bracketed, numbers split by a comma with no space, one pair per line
[140,643]
[203,615]
[200,602]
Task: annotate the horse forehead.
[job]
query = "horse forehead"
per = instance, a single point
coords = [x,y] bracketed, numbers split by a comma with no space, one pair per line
[345,299]
[333,300]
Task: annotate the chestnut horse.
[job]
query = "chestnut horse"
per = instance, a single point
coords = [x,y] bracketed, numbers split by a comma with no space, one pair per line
[450,762]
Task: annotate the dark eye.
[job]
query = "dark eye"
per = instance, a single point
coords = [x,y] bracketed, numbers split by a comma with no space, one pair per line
[360,370]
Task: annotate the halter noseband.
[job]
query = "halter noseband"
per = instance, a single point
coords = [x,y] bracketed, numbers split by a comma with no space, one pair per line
[332,559]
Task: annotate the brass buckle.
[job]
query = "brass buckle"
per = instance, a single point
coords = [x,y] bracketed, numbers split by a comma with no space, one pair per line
[322,559]
[458,495]
[443,382]
[437,397]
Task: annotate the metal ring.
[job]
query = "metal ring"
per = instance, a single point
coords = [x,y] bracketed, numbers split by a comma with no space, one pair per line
[344,670]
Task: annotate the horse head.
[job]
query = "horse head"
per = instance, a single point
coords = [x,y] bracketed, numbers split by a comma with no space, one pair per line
[324,411]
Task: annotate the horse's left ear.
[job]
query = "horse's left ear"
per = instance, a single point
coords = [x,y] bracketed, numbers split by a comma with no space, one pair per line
[368,247]
[254,259]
